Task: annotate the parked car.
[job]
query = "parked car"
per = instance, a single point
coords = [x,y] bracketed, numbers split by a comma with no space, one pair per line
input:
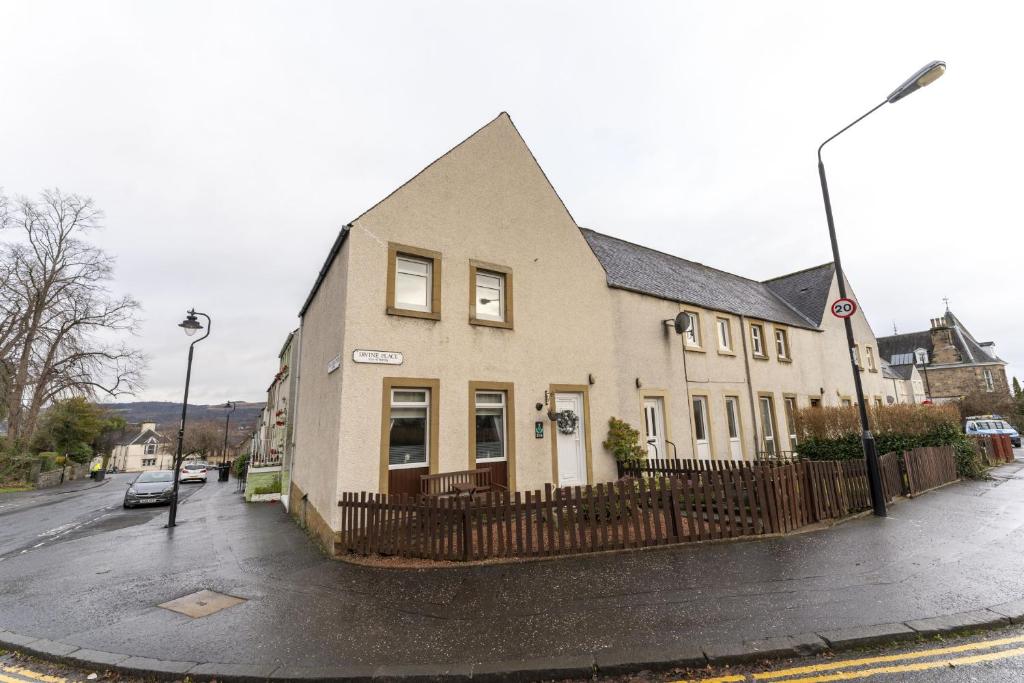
[192,471]
[150,488]
[988,425]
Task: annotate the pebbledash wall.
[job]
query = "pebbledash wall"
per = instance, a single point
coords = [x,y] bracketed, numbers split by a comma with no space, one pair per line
[488,201]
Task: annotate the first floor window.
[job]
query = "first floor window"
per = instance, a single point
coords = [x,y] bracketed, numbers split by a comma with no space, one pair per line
[409,428]
[724,335]
[781,344]
[150,448]
[693,334]
[869,352]
[768,425]
[413,283]
[990,384]
[490,296]
[757,340]
[790,405]
[490,426]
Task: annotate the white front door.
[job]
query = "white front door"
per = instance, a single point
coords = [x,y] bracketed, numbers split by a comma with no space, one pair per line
[701,428]
[732,413]
[571,448]
[654,424]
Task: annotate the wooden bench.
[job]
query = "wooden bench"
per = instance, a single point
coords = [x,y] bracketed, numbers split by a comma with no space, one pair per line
[453,483]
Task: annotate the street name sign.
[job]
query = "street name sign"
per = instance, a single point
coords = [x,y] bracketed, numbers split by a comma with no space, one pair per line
[378,357]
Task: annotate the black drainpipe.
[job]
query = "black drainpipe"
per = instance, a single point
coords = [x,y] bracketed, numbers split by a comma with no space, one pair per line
[750,384]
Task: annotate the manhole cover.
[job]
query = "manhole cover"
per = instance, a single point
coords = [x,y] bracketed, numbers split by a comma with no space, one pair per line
[202,603]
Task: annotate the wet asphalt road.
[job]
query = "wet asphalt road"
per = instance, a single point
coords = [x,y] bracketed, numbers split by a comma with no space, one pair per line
[32,520]
[952,550]
[988,657]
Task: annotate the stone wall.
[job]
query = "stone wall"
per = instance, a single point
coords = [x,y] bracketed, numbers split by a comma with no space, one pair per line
[960,381]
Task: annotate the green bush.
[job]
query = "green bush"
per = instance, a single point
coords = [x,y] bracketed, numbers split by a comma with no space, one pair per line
[834,434]
[47,461]
[239,464]
[624,442]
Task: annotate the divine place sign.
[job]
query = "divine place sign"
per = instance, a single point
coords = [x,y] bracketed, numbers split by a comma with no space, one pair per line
[378,357]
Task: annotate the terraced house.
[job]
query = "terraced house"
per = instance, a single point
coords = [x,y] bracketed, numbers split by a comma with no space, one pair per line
[466,321]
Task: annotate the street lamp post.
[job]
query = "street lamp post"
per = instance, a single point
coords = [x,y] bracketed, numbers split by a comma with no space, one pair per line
[230,405]
[921,78]
[190,325]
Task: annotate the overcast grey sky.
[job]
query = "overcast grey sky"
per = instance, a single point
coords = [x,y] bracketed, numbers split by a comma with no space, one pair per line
[228,141]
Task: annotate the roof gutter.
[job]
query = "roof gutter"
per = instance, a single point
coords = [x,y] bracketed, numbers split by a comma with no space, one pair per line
[335,248]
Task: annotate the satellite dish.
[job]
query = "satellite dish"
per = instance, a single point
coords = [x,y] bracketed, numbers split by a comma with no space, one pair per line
[890,400]
[682,323]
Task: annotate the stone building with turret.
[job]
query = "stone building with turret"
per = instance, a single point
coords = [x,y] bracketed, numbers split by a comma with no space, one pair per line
[952,362]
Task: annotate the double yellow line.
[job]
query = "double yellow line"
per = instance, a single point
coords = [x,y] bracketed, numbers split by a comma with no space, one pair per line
[19,674]
[839,670]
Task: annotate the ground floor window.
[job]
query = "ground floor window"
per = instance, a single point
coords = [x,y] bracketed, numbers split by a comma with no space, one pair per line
[409,444]
[789,403]
[768,444]
[491,442]
[148,462]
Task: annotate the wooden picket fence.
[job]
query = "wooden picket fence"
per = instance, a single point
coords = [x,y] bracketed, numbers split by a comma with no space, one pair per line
[927,468]
[684,501]
[997,450]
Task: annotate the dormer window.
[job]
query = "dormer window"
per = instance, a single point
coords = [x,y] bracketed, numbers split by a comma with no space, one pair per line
[920,357]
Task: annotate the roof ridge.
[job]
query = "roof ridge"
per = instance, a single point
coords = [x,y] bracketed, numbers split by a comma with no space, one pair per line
[799,272]
[680,258]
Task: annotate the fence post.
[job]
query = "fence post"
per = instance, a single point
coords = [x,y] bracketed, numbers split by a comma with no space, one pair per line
[466,535]
[673,500]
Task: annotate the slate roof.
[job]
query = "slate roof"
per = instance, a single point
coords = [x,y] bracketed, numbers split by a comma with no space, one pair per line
[971,350]
[902,345]
[806,290]
[647,271]
[905,371]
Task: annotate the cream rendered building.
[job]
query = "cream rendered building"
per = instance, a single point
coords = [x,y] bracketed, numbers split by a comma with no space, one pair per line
[456,320]
[148,450]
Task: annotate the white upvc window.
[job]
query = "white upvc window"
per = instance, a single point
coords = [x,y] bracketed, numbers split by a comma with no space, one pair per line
[990,384]
[768,444]
[870,355]
[491,426]
[693,334]
[150,448]
[781,344]
[490,296]
[789,403]
[724,334]
[413,283]
[757,340]
[409,441]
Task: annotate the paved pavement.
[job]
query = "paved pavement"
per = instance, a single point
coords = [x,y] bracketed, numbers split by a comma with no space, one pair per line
[952,551]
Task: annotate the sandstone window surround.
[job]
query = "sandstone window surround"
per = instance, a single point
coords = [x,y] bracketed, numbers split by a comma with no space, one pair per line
[414,282]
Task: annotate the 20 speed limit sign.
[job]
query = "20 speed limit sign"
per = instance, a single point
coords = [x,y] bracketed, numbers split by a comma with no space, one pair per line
[844,308]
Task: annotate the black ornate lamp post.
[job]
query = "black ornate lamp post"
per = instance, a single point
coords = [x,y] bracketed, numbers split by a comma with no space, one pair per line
[923,77]
[190,325]
[230,406]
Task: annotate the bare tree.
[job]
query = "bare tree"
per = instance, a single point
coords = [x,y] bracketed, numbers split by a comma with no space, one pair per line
[202,439]
[57,315]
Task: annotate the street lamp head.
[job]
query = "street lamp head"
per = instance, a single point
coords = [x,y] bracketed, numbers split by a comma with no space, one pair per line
[190,324]
[925,75]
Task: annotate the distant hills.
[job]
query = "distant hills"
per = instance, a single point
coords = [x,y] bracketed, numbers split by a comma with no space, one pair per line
[167,414]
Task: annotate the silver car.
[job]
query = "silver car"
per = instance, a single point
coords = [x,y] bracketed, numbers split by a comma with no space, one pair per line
[150,488]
